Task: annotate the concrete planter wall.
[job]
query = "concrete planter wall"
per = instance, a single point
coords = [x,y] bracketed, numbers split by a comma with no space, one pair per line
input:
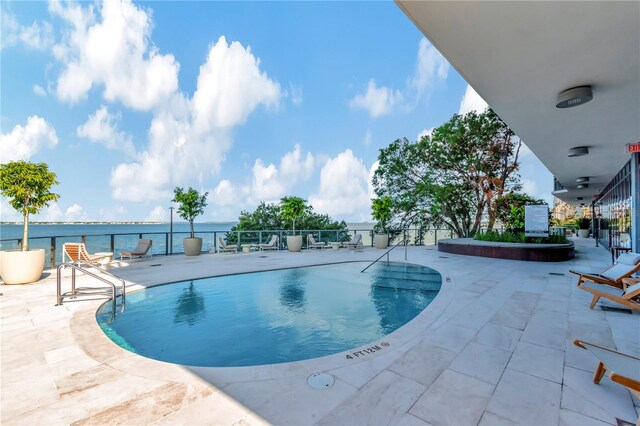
[294,242]
[583,233]
[381,241]
[192,246]
[512,251]
[21,267]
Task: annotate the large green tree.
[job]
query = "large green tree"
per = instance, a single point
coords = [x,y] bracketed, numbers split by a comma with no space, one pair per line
[453,176]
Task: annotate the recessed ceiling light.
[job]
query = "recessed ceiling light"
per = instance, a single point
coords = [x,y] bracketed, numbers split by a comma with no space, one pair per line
[574,97]
[582,186]
[582,179]
[578,151]
[579,198]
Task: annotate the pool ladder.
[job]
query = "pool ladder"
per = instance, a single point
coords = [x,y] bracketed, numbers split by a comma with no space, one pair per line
[99,274]
[401,242]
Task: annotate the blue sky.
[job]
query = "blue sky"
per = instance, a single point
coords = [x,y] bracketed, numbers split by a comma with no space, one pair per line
[249,101]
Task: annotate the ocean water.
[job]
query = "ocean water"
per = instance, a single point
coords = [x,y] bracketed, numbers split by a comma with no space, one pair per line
[98,240]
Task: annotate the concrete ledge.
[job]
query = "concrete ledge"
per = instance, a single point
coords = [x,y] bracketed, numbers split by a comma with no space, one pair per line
[511,251]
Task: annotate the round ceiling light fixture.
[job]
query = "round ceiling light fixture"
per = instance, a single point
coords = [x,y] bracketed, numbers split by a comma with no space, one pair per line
[578,151]
[582,179]
[574,97]
[582,186]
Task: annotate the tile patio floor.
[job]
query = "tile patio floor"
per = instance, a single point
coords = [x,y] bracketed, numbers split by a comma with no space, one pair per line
[493,348]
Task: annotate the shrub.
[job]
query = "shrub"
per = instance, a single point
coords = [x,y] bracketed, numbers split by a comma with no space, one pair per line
[583,223]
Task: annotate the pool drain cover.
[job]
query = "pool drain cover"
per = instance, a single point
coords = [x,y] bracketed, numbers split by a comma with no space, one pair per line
[320,380]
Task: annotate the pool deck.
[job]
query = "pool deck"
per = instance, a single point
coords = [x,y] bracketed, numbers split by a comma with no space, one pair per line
[493,348]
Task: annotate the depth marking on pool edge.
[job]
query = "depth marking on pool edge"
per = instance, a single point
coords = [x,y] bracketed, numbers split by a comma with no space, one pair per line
[366,351]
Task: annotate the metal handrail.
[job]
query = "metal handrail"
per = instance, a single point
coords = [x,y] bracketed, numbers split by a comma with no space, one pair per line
[75,292]
[403,241]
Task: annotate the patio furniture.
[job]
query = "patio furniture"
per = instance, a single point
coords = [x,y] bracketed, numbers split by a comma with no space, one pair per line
[356,242]
[108,257]
[621,368]
[141,250]
[246,248]
[223,247]
[313,244]
[77,252]
[627,265]
[271,245]
[616,250]
[627,297]
[335,246]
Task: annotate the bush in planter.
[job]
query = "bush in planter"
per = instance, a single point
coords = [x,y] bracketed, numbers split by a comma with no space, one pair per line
[27,186]
[381,211]
[192,205]
[583,223]
[293,208]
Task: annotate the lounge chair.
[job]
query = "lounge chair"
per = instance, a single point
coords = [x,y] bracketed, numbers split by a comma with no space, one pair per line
[271,245]
[77,252]
[356,242]
[626,265]
[621,368]
[627,297]
[141,250]
[223,247]
[313,244]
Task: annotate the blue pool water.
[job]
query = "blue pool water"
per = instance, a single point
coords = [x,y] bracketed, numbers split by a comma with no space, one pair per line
[271,317]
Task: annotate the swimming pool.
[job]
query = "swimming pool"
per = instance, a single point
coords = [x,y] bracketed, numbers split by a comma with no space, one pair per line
[273,316]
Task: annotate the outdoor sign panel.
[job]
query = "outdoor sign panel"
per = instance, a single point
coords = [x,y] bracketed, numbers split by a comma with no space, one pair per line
[633,147]
[536,221]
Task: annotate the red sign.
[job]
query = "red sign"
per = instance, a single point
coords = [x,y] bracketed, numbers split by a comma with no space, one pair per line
[633,147]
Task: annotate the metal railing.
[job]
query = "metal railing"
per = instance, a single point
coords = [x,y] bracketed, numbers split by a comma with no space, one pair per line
[115,242]
[90,291]
[403,241]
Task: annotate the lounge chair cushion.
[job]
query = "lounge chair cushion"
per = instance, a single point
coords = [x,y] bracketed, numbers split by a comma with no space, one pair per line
[614,291]
[629,259]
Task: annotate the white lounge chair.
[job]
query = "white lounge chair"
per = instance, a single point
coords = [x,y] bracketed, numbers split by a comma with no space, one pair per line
[224,247]
[271,245]
[626,265]
[627,297]
[356,242]
[77,252]
[313,244]
[141,250]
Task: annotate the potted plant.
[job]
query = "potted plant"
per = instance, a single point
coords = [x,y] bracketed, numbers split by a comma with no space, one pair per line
[27,186]
[192,205]
[293,208]
[584,226]
[381,208]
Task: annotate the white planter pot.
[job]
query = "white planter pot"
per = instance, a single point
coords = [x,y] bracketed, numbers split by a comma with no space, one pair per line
[381,241]
[294,242]
[192,246]
[21,267]
[583,233]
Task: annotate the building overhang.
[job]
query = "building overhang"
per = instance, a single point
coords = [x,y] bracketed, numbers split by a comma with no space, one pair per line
[520,55]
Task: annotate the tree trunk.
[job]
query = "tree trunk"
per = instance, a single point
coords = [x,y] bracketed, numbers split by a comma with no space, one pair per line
[193,235]
[25,231]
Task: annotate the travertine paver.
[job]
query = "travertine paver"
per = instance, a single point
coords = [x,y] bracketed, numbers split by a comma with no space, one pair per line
[493,348]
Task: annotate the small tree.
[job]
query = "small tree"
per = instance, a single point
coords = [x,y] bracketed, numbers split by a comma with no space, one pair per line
[293,208]
[381,211]
[509,209]
[27,185]
[192,204]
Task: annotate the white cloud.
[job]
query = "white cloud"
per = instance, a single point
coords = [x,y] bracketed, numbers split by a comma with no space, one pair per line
[270,183]
[224,194]
[101,128]
[112,50]
[189,138]
[39,90]
[158,214]
[431,67]
[230,87]
[8,213]
[425,132]
[53,213]
[368,137]
[295,92]
[471,101]
[38,35]
[75,213]
[25,141]
[377,101]
[345,189]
